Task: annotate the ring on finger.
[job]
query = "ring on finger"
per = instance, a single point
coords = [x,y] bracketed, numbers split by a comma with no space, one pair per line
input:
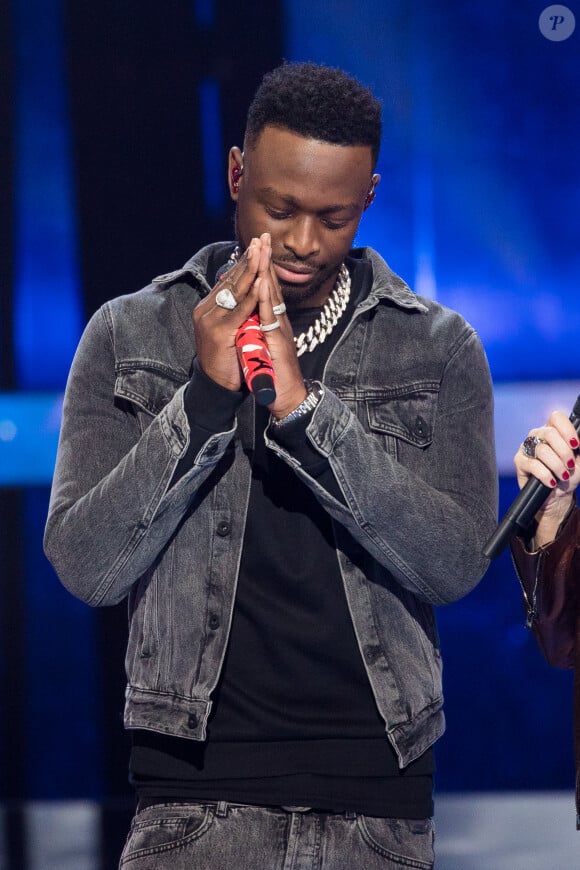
[530,445]
[279,309]
[226,299]
[268,327]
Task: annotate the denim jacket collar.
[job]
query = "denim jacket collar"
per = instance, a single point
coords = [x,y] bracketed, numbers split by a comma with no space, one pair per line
[386,284]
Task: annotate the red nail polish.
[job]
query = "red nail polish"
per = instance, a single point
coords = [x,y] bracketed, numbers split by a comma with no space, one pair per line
[565,475]
[571,463]
[574,443]
[552,482]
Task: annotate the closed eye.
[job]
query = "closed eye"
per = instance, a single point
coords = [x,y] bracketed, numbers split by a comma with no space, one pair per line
[334,225]
[278,215]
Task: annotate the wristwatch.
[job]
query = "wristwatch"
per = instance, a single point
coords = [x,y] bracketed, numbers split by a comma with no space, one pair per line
[315,393]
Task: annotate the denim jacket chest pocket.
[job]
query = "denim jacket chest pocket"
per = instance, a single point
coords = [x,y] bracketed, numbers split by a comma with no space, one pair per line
[149,385]
[404,419]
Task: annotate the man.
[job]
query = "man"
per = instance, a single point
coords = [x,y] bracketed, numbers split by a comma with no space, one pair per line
[281,562]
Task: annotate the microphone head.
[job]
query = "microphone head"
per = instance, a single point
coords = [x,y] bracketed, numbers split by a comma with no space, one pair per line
[263,389]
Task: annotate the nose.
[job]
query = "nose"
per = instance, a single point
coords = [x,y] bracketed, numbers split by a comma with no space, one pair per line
[302,238]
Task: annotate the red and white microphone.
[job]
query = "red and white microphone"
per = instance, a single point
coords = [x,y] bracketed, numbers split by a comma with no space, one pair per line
[256,361]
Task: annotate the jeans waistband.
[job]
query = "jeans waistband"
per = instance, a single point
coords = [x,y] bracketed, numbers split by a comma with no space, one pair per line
[145,802]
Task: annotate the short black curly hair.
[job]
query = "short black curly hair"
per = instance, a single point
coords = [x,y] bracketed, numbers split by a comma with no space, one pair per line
[318,102]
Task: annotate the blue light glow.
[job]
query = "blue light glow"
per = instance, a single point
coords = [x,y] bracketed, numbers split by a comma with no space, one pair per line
[47,306]
[29,427]
[205,13]
[212,146]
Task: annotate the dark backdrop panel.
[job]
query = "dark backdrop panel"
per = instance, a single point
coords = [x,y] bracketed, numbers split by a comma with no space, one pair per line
[135,74]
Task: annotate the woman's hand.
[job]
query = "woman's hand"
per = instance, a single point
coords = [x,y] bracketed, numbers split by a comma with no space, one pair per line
[550,454]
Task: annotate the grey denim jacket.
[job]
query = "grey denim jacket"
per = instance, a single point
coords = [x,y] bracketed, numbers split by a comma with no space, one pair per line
[406,422]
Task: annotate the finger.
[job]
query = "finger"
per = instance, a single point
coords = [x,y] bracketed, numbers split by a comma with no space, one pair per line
[265,305]
[563,425]
[265,254]
[275,291]
[236,284]
[558,438]
[537,457]
[279,306]
[548,458]
[276,307]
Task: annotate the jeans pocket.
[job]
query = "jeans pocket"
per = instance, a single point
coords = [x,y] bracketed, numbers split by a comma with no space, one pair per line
[405,842]
[163,827]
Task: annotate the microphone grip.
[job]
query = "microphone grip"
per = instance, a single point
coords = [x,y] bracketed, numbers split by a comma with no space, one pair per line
[518,516]
[256,361]
[525,506]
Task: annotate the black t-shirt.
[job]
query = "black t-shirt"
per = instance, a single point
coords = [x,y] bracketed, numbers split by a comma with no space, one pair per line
[294,720]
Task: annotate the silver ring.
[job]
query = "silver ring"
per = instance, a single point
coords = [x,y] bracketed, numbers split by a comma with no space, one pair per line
[226,299]
[530,445]
[268,327]
[279,309]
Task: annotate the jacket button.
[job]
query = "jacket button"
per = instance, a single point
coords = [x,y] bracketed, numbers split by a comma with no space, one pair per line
[214,621]
[372,654]
[192,721]
[420,426]
[223,528]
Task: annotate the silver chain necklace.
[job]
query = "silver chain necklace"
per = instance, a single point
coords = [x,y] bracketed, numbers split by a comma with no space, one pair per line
[332,311]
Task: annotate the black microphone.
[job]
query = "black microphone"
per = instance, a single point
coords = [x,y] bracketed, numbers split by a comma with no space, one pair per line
[525,506]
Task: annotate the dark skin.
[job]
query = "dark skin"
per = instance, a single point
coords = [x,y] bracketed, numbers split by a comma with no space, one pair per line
[299,203]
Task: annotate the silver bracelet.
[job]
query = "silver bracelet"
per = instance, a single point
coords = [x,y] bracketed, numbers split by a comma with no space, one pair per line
[315,393]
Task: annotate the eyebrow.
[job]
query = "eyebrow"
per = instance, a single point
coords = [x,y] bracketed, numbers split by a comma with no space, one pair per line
[289,200]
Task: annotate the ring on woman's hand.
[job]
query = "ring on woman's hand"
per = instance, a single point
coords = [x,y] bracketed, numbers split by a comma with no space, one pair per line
[279,309]
[226,299]
[268,327]
[530,444]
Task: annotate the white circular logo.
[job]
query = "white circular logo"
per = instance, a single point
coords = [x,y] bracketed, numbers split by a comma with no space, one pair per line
[557,22]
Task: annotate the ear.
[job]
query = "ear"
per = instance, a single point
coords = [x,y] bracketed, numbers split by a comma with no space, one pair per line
[369,199]
[235,170]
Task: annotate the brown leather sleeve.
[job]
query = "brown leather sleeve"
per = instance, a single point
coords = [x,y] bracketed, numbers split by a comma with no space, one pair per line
[550,578]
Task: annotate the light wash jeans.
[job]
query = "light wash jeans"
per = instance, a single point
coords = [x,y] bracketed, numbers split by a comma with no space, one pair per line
[222,836]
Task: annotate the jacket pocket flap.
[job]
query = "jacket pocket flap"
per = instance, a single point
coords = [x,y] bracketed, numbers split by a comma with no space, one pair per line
[410,416]
[151,388]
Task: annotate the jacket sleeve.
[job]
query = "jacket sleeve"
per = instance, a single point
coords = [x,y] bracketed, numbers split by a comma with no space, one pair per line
[427,529]
[549,578]
[114,501]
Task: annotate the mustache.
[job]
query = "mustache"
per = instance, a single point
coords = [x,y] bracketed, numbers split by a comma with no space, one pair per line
[294,261]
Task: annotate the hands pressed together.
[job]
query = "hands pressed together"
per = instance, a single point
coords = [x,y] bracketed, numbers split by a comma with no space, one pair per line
[550,453]
[254,287]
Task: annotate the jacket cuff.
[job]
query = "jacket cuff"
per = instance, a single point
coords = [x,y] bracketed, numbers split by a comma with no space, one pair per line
[210,409]
[294,440]
[209,406]
[292,437]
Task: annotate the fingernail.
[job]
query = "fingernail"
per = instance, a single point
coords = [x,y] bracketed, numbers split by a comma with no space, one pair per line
[573,442]
[565,475]
[571,463]
[552,482]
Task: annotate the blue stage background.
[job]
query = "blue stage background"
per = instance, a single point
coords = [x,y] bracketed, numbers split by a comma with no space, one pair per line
[113,171]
